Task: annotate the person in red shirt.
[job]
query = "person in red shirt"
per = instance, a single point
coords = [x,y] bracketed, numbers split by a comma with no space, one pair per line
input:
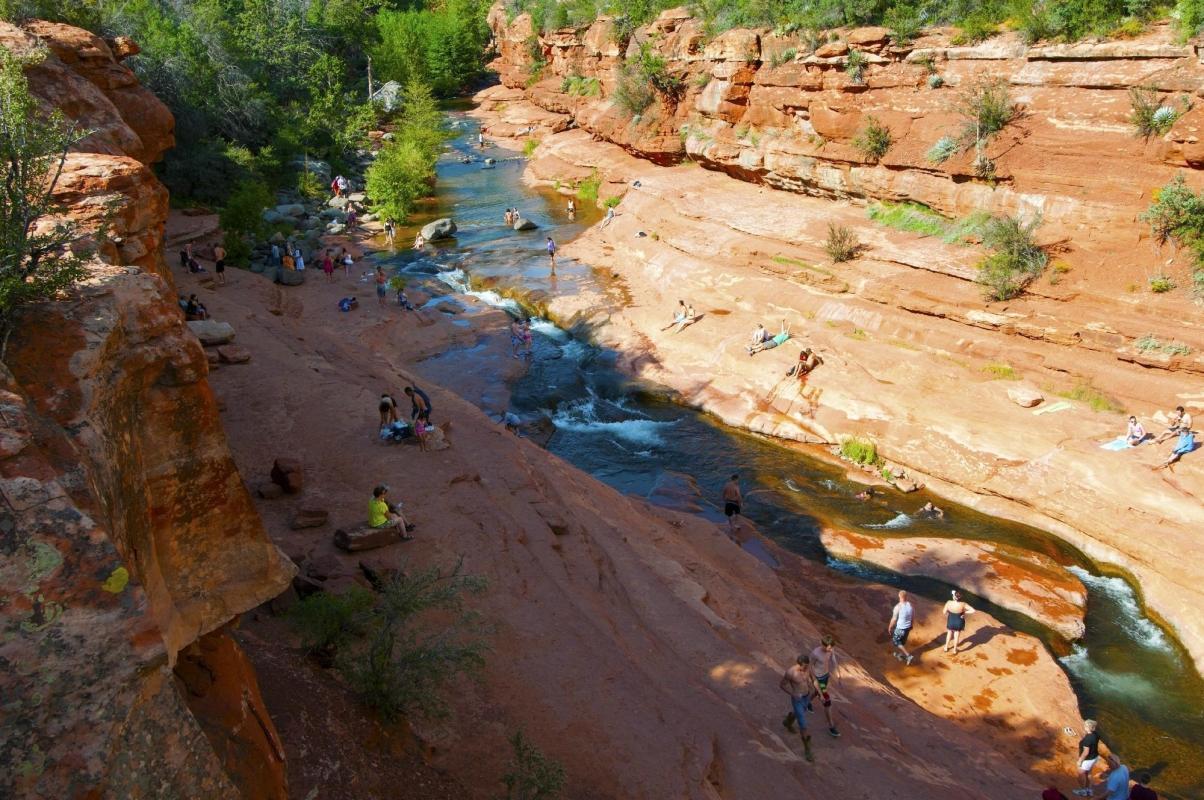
[1139,790]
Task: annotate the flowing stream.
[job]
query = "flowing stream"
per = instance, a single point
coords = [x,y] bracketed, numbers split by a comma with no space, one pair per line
[1129,672]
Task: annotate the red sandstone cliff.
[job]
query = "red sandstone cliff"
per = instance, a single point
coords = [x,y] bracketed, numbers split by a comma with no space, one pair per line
[128,534]
[910,342]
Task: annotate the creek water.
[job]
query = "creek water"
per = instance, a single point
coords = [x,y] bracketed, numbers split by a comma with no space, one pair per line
[1128,671]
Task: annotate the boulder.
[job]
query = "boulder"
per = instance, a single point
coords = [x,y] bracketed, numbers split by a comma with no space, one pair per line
[337,202]
[448,307]
[832,49]
[233,354]
[524,224]
[358,197]
[862,37]
[364,538]
[290,210]
[273,217]
[287,473]
[277,238]
[292,277]
[1025,396]
[323,567]
[439,229]
[211,332]
[332,214]
[335,228]
[268,491]
[319,169]
[309,518]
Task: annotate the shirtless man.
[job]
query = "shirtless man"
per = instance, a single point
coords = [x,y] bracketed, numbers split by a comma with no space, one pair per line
[824,666]
[799,682]
[731,503]
[219,263]
[1180,421]
[808,360]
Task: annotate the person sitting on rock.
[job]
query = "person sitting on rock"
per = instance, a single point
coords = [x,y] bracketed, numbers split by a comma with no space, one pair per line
[1186,443]
[769,343]
[681,318]
[808,360]
[195,309]
[1136,433]
[383,515]
[402,300]
[1180,420]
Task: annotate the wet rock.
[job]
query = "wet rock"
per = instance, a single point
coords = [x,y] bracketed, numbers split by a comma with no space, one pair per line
[233,354]
[211,332]
[448,307]
[439,229]
[524,224]
[364,538]
[677,491]
[1025,396]
[288,474]
[309,518]
[337,202]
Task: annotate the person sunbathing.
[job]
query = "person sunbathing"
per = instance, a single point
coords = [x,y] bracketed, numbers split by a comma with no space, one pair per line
[769,343]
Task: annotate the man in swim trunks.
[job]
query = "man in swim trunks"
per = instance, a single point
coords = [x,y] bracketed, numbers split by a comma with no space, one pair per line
[799,682]
[731,503]
[900,627]
[420,404]
[824,666]
[1180,421]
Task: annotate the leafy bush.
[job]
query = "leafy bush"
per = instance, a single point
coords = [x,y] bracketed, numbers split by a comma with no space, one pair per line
[309,186]
[1150,344]
[587,190]
[919,218]
[842,244]
[935,81]
[1094,398]
[873,140]
[531,775]
[1160,284]
[581,86]
[402,662]
[784,57]
[612,201]
[36,259]
[1001,372]
[328,621]
[860,451]
[1016,259]
[632,93]
[945,148]
[404,169]
[243,212]
[441,48]
[529,147]
[854,66]
[987,107]
[976,27]
[1149,117]
[904,22]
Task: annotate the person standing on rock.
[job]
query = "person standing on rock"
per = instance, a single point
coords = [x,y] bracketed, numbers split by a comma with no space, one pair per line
[799,681]
[824,666]
[420,404]
[955,620]
[551,246]
[732,501]
[298,260]
[1088,756]
[219,263]
[382,289]
[900,628]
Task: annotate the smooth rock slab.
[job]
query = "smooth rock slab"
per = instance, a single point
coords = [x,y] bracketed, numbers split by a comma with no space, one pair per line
[364,538]
[233,354]
[211,332]
[1028,583]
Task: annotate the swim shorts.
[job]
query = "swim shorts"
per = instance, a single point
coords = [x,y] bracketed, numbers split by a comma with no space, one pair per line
[731,509]
[900,637]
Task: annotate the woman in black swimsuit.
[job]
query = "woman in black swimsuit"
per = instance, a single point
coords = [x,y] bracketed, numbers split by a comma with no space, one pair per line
[955,620]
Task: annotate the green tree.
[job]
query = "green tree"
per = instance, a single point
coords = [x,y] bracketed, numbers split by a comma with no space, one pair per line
[36,259]
[404,170]
[531,775]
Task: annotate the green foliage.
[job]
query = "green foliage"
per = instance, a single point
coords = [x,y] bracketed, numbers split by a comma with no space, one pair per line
[778,59]
[529,147]
[440,47]
[904,22]
[530,775]
[1189,14]
[243,212]
[860,451]
[309,186]
[945,148]
[935,81]
[36,257]
[1161,284]
[1001,372]
[842,244]
[581,86]
[873,140]
[1149,116]
[1150,344]
[612,201]
[328,621]
[238,251]
[1094,398]
[1177,214]
[919,218]
[404,659]
[976,27]
[632,93]
[854,66]
[404,170]
[986,104]
[1016,259]
[587,190]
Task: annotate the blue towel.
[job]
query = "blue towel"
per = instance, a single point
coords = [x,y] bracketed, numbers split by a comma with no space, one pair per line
[1119,443]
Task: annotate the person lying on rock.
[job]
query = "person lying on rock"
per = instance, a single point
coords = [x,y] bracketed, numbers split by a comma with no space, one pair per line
[383,515]
[769,343]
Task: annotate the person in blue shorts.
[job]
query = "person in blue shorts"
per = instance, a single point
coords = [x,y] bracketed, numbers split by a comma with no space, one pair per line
[1186,443]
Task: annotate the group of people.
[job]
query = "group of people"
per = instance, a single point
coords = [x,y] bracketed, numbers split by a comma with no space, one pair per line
[193,308]
[188,261]
[1116,777]
[1179,429]
[420,416]
[522,342]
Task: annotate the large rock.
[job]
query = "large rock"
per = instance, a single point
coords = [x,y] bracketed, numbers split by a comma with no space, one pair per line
[288,474]
[211,332]
[233,354]
[524,224]
[1025,396]
[1018,580]
[290,209]
[364,538]
[337,202]
[292,277]
[439,229]
[309,518]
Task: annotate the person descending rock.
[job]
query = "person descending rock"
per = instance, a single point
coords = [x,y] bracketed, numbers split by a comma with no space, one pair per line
[799,681]
[219,263]
[383,515]
[824,666]
[420,404]
[1088,756]
[551,247]
[731,503]
[900,627]
[955,620]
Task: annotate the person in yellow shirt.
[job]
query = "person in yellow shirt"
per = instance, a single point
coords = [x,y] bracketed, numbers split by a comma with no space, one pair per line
[383,515]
